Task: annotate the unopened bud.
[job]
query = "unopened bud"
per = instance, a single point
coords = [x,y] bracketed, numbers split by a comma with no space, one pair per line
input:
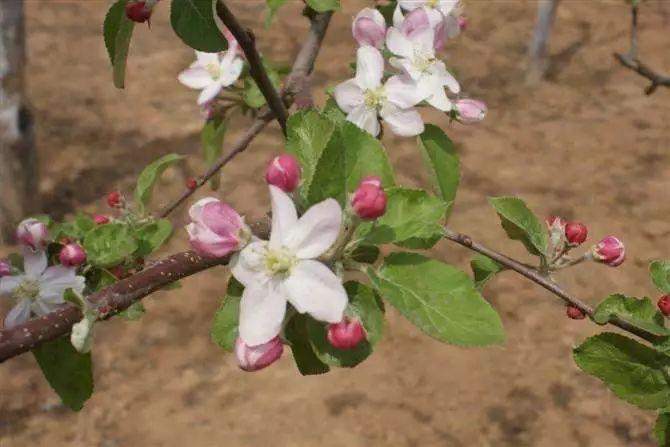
[609,251]
[253,358]
[283,172]
[138,11]
[72,255]
[114,199]
[575,233]
[555,222]
[369,28]
[191,184]
[346,334]
[470,111]
[462,23]
[574,312]
[33,233]
[369,200]
[664,305]
[216,229]
[100,219]
[5,268]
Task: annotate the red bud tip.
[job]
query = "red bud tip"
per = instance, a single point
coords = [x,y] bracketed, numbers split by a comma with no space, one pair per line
[72,255]
[191,184]
[99,219]
[283,172]
[346,334]
[369,200]
[137,11]
[114,199]
[574,312]
[575,233]
[664,305]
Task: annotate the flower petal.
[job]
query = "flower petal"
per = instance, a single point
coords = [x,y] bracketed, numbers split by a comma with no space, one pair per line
[411,4]
[196,77]
[195,212]
[9,283]
[262,311]
[19,314]
[58,278]
[365,118]
[348,95]
[284,216]
[209,93]
[34,262]
[403,122]
[398,43]
[247,265]
[231,71]
[403,92]
[40,307]
[203,59]
[316,231]
[313,288]
[369,67]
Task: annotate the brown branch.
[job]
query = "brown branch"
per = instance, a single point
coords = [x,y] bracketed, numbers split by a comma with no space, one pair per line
[257,71]
[543,281]
[294,84]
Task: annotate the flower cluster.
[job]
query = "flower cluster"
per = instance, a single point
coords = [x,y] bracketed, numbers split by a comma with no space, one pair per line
[411,44]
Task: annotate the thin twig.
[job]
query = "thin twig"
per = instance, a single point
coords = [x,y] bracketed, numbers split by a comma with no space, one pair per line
[543,281]
[293,85]
[257,71]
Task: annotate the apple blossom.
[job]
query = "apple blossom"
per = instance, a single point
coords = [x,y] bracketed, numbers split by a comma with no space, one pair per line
[610,251]
[212,72]
[414,46]
[285,269]
[369,199]
[470,111]
[369,28]
[364,97]
[32,233]
[40,289]
[346,334]
[283,172]
[253,358]
[72,255]
[216,229]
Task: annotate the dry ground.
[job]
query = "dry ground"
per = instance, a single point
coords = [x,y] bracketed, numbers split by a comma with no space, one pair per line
[586,144]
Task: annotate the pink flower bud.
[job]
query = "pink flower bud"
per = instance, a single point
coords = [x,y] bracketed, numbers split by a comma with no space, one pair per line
[216,229]
[574,312]
[346,334]
[575,233]
[138,11]
[462,23]
[609,251]
[72,255]
[100,219]
[369,200]
[664,305]
[5,268]
[114,199]
[33,233]
[283,172]
[253,358]
[470,111]
[369,28]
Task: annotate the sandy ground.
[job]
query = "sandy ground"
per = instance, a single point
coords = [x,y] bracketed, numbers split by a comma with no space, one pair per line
[586,144]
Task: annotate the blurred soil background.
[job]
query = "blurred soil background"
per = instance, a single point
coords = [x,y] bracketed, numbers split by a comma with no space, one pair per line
[586,144]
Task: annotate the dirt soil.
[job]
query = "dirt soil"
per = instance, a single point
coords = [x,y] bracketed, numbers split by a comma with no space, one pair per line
[586,144]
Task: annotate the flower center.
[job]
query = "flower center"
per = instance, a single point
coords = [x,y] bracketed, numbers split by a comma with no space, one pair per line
[28,289]
[279,261]
[375,98]
[423,59]
[213,70]
[432,3]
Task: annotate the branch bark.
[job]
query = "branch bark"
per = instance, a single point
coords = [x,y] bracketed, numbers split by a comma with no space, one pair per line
[293,85]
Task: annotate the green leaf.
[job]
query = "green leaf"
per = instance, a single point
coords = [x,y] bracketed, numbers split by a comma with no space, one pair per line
[226,320]
[324,5]
[439,299]
[660,275]
[308,134]
[193,21]
[134,312]
[152,236]
[442,162]
[273,7]
[484,268]
[412,219]
[333,112]
[364,306]
[118,30]
[521,224]
[148,177]
[76,229]
[387,10]
[298,337]
[634,372]
[367,254]
[109,245]
[252,95]
[662,429]
[641,313]
[68,372]
[211,138]
[350,155]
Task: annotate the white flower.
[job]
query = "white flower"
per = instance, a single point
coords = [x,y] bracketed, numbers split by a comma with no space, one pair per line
[285,269]
[364,97]
[211,72]
[40,289]
[415,48]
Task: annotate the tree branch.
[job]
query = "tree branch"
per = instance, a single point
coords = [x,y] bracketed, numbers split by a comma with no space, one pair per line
[257,71]
[293,85]
[543,281]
